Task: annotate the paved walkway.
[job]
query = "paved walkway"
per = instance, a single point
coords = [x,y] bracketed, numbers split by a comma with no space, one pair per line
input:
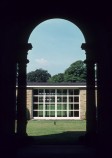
[56,151]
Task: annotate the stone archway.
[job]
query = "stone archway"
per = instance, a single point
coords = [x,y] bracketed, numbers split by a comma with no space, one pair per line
[91,107]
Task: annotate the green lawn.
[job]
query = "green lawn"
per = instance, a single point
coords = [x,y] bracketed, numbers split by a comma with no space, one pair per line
[63,131]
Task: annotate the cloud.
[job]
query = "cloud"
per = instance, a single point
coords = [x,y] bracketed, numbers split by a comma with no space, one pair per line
[41,62]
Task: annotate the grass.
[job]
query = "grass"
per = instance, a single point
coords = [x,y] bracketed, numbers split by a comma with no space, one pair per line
[65,131]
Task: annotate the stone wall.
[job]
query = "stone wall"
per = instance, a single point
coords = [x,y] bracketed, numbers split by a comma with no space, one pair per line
[29,103]
[82,104]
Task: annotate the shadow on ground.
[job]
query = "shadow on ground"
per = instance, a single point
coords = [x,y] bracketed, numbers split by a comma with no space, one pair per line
[67,144]
[65,138]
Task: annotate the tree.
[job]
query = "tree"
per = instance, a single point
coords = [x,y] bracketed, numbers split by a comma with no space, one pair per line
[57,78]
[38,75]
[76,72]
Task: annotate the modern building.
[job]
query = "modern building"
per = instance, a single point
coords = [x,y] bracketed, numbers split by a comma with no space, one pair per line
[56,100]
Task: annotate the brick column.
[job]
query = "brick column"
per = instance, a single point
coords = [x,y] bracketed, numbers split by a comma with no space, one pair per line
[21,96]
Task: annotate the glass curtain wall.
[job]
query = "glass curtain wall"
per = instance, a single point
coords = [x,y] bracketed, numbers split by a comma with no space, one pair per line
[55,103]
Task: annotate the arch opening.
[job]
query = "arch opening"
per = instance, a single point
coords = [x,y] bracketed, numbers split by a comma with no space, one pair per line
[55,42]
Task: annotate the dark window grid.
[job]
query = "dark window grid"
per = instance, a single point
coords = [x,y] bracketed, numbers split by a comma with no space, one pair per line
[73,113]
[62,91]
[35,106]
[41,99]
[35,99]
[59,99]
[62,106]
[61,113]
[50,107]
[59,106]
[47,107]
[52,113]
[35,92]
[76,92]
[47,114]
[50,99]
[49,92]
[76,99]
[40,106]
[40,113]
[35,113]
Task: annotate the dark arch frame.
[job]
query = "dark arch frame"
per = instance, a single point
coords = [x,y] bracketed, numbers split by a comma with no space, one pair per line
[16,26]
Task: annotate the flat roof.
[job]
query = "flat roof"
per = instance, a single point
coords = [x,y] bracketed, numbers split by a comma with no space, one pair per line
[60,84]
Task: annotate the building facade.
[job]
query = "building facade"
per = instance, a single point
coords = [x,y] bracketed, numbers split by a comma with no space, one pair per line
[56,100]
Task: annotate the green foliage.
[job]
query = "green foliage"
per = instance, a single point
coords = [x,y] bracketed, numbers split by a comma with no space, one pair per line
[76,72]
[57,78]
[38,75]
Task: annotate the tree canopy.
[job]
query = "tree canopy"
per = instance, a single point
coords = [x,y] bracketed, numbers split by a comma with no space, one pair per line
[57,78]
[76,72]
[38,75]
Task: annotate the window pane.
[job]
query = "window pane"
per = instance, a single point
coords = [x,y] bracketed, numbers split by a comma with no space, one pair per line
[59,99]
[70,113]
[35,92]
[64,91]
[64,106]
[70,99]
[40,113]
[46,113]
[40,106]
[52,107]
[35,99]
[58,113]
[76,91]
[70,106]
[47,91]
[76,99]
[64,114]
[52,91]
[76,113]
[70,91]
[52,113]
[35,106]
[47,106]
[52,99]
[76,106]
[35,113]
[40,99]
[41,91]
[59,107]
[64,99]
[59,91]
[47,99]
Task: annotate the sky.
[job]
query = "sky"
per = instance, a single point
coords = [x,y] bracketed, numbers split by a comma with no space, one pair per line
[56,45]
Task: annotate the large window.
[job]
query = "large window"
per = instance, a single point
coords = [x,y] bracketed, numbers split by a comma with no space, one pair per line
[58,103]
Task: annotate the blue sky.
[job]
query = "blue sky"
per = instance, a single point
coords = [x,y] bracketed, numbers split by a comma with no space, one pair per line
[56,44]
